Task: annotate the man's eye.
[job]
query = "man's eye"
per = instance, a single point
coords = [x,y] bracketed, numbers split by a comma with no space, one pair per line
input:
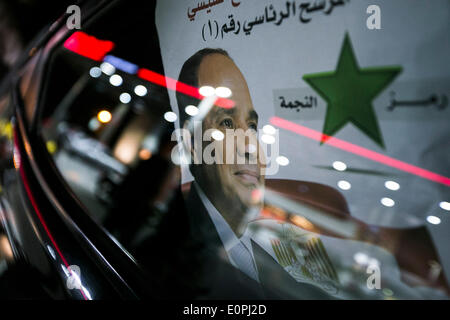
[227,123]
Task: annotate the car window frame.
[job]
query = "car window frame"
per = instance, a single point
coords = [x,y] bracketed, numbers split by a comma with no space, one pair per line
[115,256]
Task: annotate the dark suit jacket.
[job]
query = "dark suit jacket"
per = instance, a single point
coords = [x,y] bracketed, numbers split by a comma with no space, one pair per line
[189,261]
[219,279]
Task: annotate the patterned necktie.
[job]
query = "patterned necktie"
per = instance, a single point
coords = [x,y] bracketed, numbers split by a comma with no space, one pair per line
[243,260]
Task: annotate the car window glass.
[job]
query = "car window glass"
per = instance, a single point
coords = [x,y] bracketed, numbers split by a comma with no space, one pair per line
[196,180]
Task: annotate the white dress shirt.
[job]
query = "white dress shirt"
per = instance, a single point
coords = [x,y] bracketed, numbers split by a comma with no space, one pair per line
[236,248]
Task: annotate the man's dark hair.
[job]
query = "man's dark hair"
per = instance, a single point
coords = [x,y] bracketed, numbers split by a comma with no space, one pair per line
[189,75]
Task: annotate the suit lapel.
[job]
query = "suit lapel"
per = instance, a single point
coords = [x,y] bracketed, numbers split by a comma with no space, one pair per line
[218,275]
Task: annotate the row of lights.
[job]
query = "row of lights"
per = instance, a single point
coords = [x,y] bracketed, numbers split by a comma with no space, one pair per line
[222,92]
[391,185]
[444,205]
[192,110]
[116,80]
[345,185]
[206,91]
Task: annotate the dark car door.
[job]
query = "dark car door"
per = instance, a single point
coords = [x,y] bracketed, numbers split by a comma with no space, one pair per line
[51,232]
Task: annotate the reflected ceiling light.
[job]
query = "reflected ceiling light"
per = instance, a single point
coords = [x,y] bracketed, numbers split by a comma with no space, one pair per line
[107,68]
[223,92]
[361,258]
[282,160]
[433,220]
[191,110]
[387,202]
[104,116]
[392,185]
[207,91]
[217,135]
[445,205]
[145,154]
[344,185]
[267,139]
[170,116]
[95,72]
[140,90]
[125,97]
[116,80]
[268,129]
[339,166]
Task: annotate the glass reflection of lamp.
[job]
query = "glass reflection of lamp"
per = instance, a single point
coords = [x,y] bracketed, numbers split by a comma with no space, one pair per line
[104,116]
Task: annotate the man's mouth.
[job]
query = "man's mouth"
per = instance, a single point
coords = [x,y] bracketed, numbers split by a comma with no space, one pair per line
[248,176]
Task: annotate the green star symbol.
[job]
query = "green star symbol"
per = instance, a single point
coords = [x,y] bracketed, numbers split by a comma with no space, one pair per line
[349,91]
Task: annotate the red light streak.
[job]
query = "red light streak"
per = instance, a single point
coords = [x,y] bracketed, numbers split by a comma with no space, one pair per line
[181,87]
[360,151]
[95,49]
[88,46]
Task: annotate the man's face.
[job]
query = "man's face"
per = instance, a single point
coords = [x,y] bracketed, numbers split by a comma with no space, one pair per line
[234,181]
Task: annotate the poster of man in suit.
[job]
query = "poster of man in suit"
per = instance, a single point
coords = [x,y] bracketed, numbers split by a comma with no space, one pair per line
[338,209]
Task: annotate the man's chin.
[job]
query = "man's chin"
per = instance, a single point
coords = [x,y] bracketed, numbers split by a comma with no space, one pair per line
[245,191]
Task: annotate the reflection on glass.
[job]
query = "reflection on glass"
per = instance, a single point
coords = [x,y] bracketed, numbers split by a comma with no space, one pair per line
[202,217]
[140,90]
